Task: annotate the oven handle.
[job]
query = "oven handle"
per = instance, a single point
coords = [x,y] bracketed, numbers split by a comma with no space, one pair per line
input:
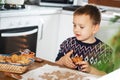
[19,34]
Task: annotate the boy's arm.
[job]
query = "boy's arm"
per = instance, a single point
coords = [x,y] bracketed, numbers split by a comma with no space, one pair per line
[96,71]
[86,67]
[59,62]
[105,63]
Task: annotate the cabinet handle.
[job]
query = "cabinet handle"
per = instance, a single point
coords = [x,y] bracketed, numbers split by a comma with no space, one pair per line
[42,26]
[41,36]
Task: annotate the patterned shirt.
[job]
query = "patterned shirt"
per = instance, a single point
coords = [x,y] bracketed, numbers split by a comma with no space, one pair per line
[98,54]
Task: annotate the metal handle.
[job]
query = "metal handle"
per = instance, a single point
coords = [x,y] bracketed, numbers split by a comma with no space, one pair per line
[19,34]
[41,35]
[42,26]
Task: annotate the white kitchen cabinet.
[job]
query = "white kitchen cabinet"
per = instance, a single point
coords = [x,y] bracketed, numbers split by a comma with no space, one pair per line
[47,43]
[66,26]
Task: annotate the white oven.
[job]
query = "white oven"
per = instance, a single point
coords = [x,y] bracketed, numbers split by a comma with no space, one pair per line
[16,39]
[19,32]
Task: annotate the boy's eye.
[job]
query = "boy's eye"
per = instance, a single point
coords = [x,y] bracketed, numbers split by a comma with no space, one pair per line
[81,27]
[74,25]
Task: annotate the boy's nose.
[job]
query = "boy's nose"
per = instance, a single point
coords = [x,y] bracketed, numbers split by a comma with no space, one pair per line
[77,29]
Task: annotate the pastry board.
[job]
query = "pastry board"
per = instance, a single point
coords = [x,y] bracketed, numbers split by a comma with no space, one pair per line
[48,72]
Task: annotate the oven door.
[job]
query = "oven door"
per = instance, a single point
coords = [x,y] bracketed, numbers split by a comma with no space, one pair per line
[13,40]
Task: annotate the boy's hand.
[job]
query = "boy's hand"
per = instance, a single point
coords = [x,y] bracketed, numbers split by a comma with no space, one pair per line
[66,60]
[85,67]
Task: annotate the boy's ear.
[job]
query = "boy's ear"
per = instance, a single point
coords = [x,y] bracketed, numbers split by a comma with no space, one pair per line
[96,28]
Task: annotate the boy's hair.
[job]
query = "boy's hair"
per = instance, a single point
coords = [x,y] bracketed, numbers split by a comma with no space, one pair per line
[90,10]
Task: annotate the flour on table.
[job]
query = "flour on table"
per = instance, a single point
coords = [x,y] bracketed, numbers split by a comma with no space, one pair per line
[48,72]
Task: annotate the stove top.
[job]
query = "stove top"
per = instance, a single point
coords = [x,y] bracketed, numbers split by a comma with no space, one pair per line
[11,7]
[71,8]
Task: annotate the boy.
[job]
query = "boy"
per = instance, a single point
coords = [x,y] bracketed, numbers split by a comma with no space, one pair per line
[96,54]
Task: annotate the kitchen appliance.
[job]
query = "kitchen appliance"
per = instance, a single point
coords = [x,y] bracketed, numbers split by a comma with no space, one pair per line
[58,3]
[16,39]
[32,2]
[17,2]
[2,2]
[11,4]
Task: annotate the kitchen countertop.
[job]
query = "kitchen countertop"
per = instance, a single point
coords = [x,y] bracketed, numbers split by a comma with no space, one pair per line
[29,11]
[107,12]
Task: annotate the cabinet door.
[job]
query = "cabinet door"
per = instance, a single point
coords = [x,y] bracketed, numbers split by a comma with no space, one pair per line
[47,44]
[66,27]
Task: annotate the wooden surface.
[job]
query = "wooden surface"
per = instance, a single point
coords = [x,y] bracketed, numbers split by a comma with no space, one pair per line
[32,66]
[111,3]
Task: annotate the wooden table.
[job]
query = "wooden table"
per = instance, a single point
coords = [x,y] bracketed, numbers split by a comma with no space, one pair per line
[31,67]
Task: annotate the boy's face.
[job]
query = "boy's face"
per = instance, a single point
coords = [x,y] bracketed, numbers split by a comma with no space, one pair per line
[84,29]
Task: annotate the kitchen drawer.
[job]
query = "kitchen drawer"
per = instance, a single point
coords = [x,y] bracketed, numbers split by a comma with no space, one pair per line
[15,22]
